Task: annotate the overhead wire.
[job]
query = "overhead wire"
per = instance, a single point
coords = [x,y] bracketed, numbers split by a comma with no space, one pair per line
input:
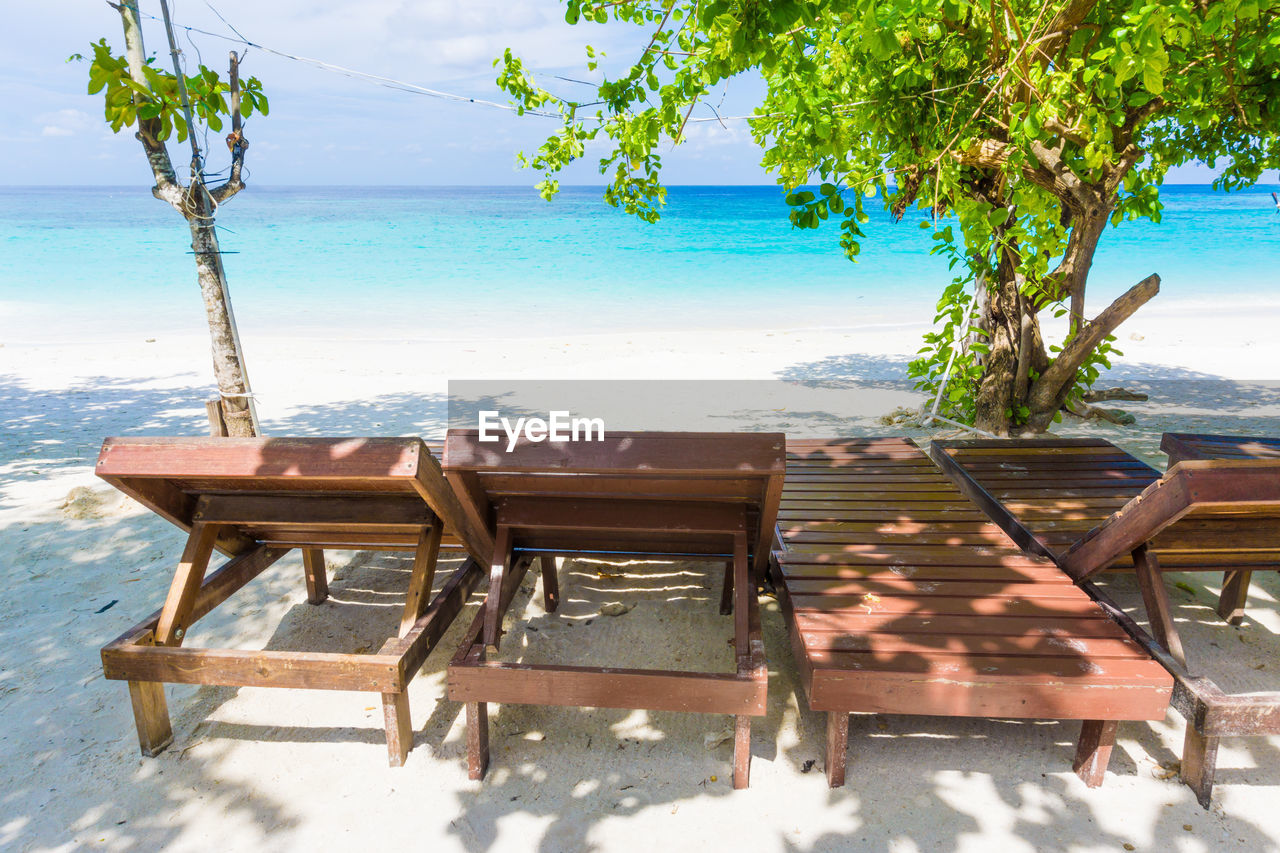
[414,88]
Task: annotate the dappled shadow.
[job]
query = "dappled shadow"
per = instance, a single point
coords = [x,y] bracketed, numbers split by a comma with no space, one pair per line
[865,592]
[850,366]
[568,767]
[254,765]
[81,568]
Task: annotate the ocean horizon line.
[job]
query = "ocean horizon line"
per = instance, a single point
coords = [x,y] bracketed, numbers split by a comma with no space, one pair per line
[251,184]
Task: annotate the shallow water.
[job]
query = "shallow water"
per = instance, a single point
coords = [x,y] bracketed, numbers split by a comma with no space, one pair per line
[439,261]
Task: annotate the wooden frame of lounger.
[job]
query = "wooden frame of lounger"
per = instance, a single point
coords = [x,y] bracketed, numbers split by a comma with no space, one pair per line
[1190,447]
[1214,498]
[901,598]
[254,500]
[698,496]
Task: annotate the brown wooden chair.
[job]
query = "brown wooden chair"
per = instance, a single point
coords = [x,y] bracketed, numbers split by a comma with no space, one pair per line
[254,500]
[901,597]
[701,496]
[1090,506]
[1187,447]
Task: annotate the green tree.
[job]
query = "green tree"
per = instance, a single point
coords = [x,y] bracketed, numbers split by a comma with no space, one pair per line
[1020,130]
[138,94]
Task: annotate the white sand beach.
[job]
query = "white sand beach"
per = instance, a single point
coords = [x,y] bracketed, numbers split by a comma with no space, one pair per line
[295,770]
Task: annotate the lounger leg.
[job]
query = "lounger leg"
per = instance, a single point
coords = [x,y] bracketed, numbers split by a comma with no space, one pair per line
[395,710]
[1156,600]
[317,582]
[477,739]
[550,584]
[418,598]
[1235,589]
[1199,762]
[741,751]
[150,710]
[1093,752]
[151,714]
[837,747]
[175,616]
[493,598]
[726,591]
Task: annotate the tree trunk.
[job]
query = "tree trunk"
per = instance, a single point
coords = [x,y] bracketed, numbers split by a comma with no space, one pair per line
[196,205]
[1073,272]
[1003,323]
[228,364]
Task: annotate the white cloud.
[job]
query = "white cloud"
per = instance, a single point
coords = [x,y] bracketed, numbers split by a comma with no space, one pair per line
[65,123]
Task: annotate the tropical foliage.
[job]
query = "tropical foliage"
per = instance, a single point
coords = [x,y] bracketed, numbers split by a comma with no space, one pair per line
[1017,132]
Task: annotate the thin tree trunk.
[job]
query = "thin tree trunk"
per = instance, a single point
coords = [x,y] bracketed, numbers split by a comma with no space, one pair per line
[994,403]
[197,207]
[228,365]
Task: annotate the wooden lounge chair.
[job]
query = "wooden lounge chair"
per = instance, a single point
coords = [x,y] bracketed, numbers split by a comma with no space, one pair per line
[254,500]
[703,496]
[901,597]
[1090,506]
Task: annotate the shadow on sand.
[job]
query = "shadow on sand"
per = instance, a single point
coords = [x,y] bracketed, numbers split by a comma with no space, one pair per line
[559,775]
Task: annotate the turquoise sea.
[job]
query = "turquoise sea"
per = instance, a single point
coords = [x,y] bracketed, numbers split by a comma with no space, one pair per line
[464,261]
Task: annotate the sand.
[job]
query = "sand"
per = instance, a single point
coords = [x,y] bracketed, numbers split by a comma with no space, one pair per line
[255,768]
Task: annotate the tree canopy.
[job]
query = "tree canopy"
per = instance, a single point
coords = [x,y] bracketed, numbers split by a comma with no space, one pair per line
[1019,130]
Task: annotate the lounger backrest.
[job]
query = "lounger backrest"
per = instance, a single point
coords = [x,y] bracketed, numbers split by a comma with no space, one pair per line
[1053,493]
[239,482]
[1206,513]
[648,470]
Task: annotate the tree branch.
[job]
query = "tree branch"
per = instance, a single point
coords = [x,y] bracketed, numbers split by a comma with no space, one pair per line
[235,139]
[1050,174]
[1067,21]
[168,187]
[1049,390]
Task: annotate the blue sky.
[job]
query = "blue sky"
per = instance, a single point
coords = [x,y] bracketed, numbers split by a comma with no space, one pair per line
[325,128]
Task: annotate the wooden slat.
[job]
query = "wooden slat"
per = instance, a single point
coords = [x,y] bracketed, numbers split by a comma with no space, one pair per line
[499,485]
[637,516]
[944,606]
[794,569]
[911,588]
[641,453]
[329,511]
[359,459]
[943,694]
[1132,669]
[309,670]
[889,646]
[592,687]
[859,621]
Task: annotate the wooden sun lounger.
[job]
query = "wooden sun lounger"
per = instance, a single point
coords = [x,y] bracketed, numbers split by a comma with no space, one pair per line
[901,597]
[254,500]
[701,496]
[1187,447]
[1090,506]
